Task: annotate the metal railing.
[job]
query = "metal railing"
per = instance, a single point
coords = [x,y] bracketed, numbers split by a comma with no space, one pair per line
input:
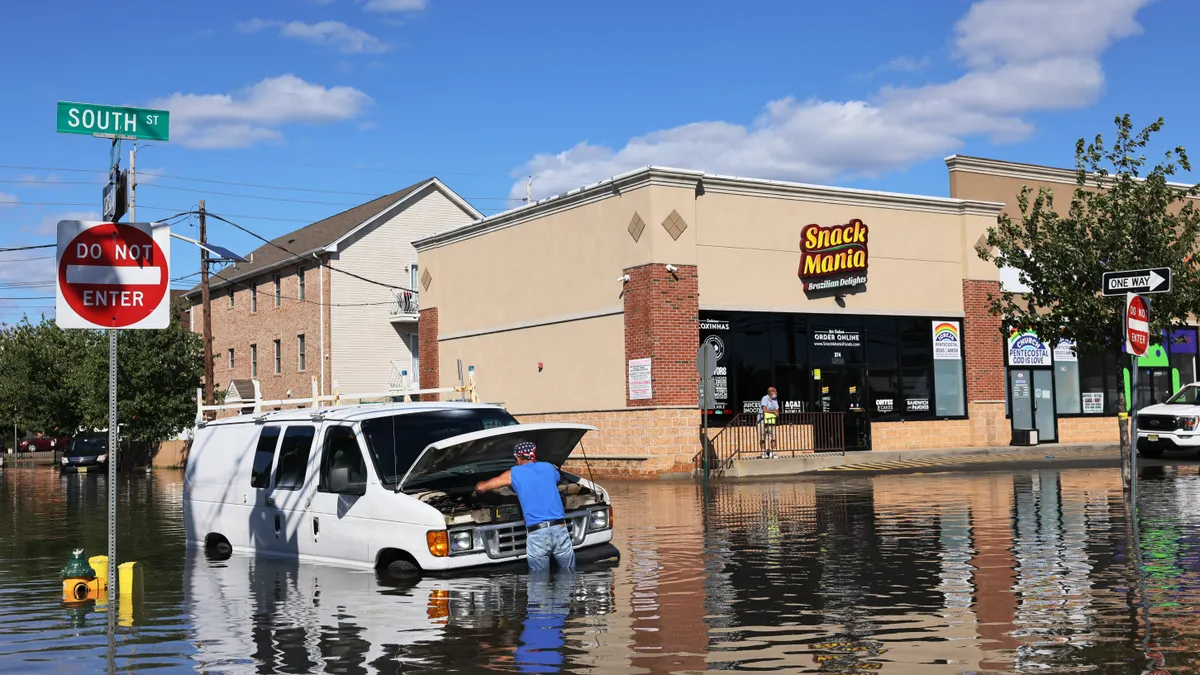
[405,375]
[404,303]
[794,434]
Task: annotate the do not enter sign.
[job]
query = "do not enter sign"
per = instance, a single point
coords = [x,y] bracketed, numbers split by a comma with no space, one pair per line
[113,275]
[1137,325]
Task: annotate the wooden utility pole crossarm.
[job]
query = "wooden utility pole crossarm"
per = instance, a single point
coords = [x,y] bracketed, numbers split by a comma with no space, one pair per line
[206,303]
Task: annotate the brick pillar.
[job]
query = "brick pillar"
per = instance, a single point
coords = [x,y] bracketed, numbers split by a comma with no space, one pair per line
[662,323]
[427,344]
[982,341]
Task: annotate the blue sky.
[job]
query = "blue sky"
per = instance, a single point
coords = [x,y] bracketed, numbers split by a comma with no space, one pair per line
[362,97]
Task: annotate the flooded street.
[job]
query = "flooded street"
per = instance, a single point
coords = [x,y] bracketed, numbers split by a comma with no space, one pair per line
[1023,571]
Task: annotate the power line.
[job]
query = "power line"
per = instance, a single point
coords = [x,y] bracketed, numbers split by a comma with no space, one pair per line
[318,260]
[243,286]
[47,297]
[26,248]
[299,201]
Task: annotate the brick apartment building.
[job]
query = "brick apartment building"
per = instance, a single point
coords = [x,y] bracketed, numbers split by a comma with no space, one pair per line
[293,313]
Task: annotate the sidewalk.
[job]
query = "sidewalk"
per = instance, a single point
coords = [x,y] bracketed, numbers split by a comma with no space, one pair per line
[886,460]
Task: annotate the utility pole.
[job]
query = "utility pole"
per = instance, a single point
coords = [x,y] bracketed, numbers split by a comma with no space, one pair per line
[133,184]
[206,301]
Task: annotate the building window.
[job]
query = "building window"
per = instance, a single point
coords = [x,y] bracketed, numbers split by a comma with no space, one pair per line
[253,296]
[278,290]
[300,281]
[231,298]
[278,358]
[231,359]
[300,351]
[253,360]
[412,277]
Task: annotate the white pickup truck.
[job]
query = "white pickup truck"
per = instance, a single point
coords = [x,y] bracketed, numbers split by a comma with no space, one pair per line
[1174,425]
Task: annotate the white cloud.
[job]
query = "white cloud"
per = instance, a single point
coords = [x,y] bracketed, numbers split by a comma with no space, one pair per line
[7,200]
[49,179]
[49,225]
[1021,56]
[396,5]
[335,34]
[254,114]
[906,64]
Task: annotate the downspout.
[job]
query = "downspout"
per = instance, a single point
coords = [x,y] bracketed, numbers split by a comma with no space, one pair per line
[321,303]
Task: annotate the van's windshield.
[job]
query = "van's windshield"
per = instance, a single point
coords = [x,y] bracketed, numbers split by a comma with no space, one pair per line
[87,446]
[395,442]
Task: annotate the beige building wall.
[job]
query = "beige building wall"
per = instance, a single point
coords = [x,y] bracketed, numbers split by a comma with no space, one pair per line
[366,341]
[917,254]
[583,365]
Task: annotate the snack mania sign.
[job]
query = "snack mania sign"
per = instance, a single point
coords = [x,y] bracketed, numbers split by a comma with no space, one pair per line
[833,256]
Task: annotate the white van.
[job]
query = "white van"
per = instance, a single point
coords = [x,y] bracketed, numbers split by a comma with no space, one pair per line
[387,486]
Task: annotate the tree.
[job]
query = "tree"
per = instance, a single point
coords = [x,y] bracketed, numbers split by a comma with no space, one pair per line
[57,380]
[42,374]
[157,375]
[1122,216]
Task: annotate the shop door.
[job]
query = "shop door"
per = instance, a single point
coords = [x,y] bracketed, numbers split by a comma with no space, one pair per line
[842,390]
[1033,402]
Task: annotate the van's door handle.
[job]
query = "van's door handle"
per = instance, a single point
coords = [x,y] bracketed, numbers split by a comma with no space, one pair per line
[316,527]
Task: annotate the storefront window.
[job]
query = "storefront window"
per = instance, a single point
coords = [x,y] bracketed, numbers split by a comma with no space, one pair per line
[1067,399]
[883,368]
[1098,384]
[916,367]
[950,398]
[750,347]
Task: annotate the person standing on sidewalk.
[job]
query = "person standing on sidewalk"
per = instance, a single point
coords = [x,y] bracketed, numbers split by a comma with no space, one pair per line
[768,415]
[536,485]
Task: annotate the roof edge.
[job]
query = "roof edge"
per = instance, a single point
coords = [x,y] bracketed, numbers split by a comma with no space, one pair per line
[1021,170]
[662,175]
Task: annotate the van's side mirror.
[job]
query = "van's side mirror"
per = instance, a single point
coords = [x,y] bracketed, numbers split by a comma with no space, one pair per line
[341,483]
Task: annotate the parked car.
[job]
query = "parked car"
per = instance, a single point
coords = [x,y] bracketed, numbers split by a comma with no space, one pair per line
[1173,425]
[43,443]
[87,451]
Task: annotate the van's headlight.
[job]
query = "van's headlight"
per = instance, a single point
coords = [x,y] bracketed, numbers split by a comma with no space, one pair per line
[462,540]
[64,460]
[598,520]
[1187,423]
[102,458]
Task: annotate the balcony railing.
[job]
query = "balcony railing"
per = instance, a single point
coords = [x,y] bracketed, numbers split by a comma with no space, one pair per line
[404,304]
[405,374]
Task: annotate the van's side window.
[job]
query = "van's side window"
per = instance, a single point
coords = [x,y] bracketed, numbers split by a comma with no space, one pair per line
[293,457]
[264,455]
[341,451]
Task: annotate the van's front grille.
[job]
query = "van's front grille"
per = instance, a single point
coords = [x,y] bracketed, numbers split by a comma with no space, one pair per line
[506,541]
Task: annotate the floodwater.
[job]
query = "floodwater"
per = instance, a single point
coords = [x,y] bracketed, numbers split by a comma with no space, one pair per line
[1023,571]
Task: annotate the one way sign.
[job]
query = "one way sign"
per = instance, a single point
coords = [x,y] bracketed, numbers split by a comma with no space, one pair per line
[1157,280]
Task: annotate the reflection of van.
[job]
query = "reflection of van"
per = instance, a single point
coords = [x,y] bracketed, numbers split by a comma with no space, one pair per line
[385,485]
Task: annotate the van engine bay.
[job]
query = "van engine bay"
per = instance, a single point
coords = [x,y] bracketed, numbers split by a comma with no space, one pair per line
[500,505]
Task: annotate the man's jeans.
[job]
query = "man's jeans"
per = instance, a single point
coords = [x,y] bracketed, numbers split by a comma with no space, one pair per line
[549,541]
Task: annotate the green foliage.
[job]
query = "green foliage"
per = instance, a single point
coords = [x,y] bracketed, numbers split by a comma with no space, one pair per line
[57,380]
[1123,215]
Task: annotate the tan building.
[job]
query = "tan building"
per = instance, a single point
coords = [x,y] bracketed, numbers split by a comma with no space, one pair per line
[1082,391]
[865,303]
[334,300]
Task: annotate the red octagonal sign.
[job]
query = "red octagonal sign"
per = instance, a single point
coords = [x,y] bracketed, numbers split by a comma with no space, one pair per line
[1137,325]
[113,275]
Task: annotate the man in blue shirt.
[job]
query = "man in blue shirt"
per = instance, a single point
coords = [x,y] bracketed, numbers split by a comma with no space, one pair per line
[536,485]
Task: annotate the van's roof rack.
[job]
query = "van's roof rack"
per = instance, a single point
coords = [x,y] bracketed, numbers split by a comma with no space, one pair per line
[259,407]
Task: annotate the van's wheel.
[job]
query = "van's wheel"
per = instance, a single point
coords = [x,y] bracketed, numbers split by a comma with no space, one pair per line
[217,547]
[398,565]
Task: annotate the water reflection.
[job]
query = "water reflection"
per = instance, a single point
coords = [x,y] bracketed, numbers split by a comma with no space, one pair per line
[951,573]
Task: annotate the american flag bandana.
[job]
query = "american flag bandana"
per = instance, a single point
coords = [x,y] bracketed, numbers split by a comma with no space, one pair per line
[525,450]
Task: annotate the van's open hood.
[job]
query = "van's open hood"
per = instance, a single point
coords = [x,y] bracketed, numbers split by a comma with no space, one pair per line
[554,442]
